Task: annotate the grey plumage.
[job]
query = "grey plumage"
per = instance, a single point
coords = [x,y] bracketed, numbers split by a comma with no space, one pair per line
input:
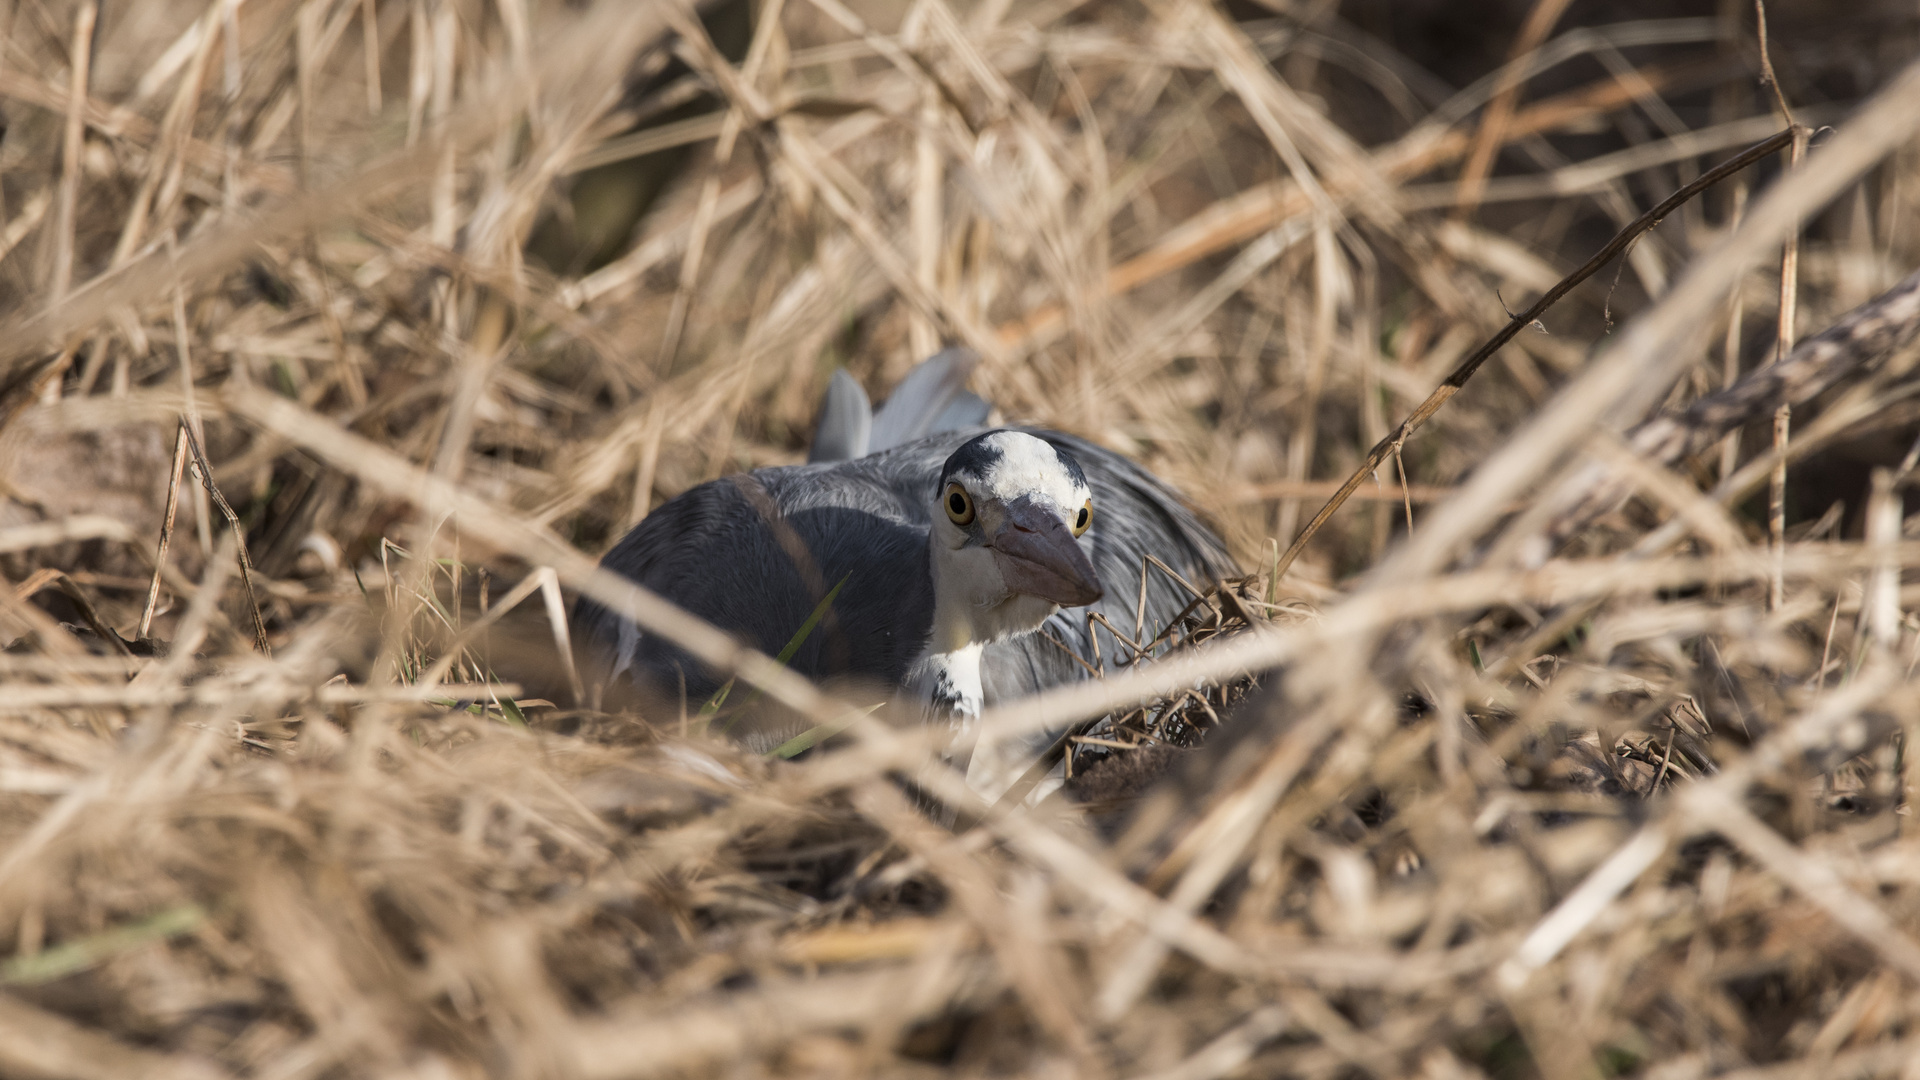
[932,398]
[967,411]
[754,553]
[845,429]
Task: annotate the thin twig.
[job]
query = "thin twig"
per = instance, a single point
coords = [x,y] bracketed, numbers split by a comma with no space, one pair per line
[166,527]
[1458,378]
[1730,348]
[205,471]
[1784,334]
[72,146]
[1406,494]
[562,638]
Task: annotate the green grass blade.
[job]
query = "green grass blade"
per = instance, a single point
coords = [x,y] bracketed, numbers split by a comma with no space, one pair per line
[511,710]
[806,628]
[787,652]
[82,953]
[718,699]
[814,736]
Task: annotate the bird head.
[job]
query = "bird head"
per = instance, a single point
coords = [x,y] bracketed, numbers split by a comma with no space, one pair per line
[1007,532]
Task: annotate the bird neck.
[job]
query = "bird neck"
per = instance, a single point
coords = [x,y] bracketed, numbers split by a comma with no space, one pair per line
[971,604]
[971,610]
[945,680]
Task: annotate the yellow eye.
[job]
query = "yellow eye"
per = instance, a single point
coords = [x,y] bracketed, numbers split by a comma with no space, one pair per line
[1083,519]
[959,505]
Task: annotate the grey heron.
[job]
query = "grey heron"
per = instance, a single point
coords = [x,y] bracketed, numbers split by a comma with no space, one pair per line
[944,554]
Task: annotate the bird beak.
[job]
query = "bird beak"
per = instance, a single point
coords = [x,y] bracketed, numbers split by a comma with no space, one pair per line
[1037,556]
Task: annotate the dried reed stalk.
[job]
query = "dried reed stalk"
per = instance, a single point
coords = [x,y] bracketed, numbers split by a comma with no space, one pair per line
[1536,780]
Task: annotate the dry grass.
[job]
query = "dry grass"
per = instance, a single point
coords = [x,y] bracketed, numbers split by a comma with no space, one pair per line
[1569,752]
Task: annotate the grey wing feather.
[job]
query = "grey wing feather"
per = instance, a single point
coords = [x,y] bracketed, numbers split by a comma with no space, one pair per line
[968,412]
[923,398]
[846,421]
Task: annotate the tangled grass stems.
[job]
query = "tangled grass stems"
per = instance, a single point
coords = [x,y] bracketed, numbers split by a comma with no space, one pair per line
[1514,771]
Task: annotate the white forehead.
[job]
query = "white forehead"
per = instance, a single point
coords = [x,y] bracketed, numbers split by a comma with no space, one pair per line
[1026,466]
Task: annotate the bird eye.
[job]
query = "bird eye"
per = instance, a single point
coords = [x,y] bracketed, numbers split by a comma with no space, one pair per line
[1083,519]
[959,505]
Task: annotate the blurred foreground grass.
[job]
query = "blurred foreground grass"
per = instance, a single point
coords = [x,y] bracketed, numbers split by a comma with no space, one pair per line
[1561,765]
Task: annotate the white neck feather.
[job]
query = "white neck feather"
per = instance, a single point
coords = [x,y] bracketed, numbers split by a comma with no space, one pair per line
[947,685]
